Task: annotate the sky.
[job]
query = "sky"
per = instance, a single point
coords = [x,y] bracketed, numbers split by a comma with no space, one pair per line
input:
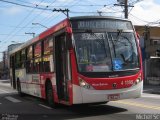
[17,20]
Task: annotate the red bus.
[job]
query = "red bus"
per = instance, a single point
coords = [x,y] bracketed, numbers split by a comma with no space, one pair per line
[87,59]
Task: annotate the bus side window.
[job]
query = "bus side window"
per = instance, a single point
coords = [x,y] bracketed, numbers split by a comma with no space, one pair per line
[23,58]
[37,53]
[47,51]
[28,67]
[29,62]
[46,64]
[18,60]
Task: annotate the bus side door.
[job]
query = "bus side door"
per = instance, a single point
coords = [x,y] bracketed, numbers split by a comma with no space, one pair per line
[62,64]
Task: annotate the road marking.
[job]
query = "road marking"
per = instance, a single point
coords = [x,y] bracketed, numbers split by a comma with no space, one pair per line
[138,105]
[151,96]
[12,99]
[45,106]
[4,91]
[148,90]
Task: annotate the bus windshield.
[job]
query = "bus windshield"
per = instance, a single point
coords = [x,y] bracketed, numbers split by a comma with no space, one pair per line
[106,51]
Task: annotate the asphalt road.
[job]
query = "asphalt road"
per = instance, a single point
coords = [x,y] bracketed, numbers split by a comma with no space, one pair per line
[30,108]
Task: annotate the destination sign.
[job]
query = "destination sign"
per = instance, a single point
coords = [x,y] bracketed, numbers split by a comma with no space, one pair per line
[102,24]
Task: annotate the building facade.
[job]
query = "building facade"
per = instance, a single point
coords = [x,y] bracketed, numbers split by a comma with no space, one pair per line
[150,46]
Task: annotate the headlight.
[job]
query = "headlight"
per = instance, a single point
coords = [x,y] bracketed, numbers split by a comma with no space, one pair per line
[85,85]
[138,80]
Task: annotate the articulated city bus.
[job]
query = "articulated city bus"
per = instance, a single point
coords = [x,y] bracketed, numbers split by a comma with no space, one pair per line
[87,59]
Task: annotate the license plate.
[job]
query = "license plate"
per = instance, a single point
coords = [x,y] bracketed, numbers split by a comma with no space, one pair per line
[113,97]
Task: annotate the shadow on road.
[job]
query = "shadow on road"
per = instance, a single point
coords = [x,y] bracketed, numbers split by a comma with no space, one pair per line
[77,112]
[91,110]
[32,111]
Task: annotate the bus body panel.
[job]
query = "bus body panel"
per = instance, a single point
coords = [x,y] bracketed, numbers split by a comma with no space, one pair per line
[77,94]
[103,90]
[31,89]
[108,83]
[92,96]
[34,84]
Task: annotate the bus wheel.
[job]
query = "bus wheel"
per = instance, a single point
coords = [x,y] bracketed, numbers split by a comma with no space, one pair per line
[49,95]
[19,89]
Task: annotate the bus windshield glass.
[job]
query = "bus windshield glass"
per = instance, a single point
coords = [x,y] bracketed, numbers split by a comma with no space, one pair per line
[106,51]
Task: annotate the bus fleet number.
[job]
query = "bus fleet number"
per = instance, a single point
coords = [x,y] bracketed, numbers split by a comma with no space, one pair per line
[127,82]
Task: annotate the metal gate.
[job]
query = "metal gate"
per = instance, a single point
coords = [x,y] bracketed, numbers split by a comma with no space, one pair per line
[152,71]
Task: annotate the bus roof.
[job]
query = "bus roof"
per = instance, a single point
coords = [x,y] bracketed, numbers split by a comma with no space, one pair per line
[97,17]
[57,27]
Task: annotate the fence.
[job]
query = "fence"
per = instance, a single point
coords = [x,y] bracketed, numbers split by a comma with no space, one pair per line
[152,71]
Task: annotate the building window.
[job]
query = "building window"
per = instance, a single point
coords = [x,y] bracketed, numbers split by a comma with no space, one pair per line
[156,42]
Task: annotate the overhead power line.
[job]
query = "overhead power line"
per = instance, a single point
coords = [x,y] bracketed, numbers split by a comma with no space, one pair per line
[23,5]
[39,15]
[147,22]
[13,33]
[36,7]
[65,11]
[139,18]
[44,7]
[70,5]
[134,2]
[90,5]
[26,2]
[94,12]
[9,34]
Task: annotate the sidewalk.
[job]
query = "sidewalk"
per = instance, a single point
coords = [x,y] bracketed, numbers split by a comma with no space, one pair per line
[152,89]
[5,83]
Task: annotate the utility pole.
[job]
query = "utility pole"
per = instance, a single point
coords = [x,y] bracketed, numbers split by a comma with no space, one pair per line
[4,64]
[124,3]
[147,41]
[126,9]
[64,11]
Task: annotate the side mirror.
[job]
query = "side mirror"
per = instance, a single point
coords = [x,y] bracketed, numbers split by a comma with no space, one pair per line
[138,36]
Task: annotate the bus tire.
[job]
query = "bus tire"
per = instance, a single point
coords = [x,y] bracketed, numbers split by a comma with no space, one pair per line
[19,89]
[49,95]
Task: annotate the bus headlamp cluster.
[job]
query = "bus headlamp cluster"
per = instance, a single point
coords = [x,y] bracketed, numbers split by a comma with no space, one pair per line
[138,80]
[85,85]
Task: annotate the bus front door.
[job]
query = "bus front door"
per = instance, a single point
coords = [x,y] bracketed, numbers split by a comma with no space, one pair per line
[61,67]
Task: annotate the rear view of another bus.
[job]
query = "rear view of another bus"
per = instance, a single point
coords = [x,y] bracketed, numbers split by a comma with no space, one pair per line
[107,58]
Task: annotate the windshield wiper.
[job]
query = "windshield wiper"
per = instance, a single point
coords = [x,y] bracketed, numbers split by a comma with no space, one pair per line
[119,34]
